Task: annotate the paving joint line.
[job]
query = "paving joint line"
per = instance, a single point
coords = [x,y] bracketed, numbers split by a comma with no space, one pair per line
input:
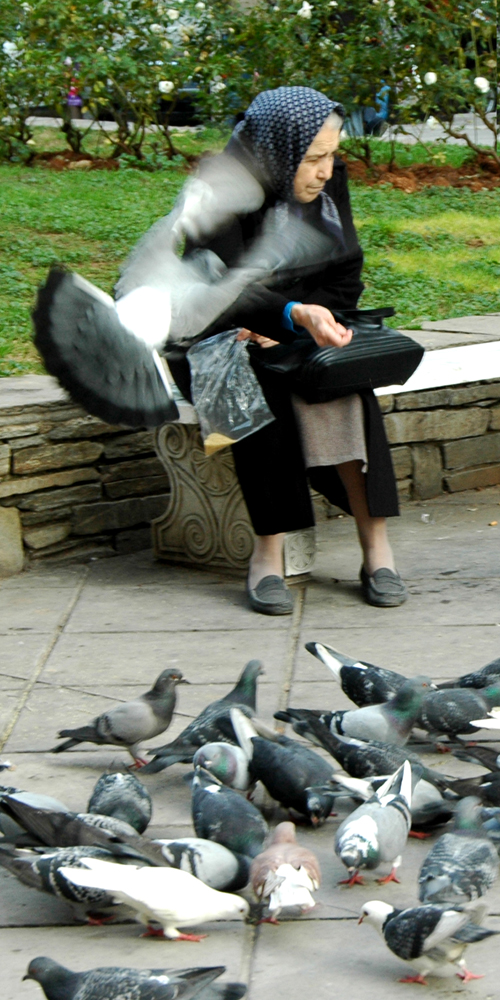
[42,662]
[291,652]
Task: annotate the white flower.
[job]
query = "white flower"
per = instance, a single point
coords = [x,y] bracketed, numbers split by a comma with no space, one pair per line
[68,61]
[333,3]
[215,88]
[390,4]
[482,84]
[276,7]
[305,10]
[231,31]
[10,49]
[157,29]
[165,86]
[100,49]
[172,13]
[430,78]
[185,53]
[199,6]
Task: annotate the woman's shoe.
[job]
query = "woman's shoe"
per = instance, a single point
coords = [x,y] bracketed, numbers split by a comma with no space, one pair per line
[384,588]
[271,596]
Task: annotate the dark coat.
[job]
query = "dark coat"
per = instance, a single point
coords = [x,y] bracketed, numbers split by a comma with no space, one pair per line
[269,463]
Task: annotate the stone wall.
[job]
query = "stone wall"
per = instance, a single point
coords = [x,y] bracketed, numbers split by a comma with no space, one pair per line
[74,487]
[444,439]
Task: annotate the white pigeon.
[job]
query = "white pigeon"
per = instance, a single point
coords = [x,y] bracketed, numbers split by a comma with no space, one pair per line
[171,897]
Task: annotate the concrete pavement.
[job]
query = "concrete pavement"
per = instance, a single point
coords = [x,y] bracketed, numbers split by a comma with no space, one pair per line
[75,639]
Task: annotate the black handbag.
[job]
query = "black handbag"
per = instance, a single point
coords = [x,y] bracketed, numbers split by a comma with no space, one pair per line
[376,356]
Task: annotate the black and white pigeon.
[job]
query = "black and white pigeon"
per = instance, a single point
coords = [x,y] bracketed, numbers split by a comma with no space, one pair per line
[129,724]
[124,797]
[209,861]
[220,814]
[477,678]
[68,829]
[213,724]
[428,807]
[228,763]
[377,831]
[390,722]
[118,983]
[40,869]
[450,712]
[168,896]
[432,938]
[5,765]
[363,683]
[485,786]
[463,864]
[288,769]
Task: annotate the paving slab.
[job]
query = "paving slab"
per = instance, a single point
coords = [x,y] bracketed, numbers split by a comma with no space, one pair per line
[488,325]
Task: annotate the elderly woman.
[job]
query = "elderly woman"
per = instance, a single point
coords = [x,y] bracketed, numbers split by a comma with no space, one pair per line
[288,140]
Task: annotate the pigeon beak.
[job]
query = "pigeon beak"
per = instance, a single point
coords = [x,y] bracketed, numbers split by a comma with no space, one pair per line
[182,680]
[27,976]
[360,921]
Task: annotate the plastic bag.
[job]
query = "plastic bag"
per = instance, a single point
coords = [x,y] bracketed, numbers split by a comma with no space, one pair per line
[226,393]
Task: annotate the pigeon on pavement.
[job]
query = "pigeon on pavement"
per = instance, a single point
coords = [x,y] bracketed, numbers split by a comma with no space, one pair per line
[363,683]
[462,864]
[377,831]
[477,678]
[42,871]
[285,873]
[209,861]
[428,807]
[170,897]
[228,763]
[213,724]
[129,724]
[390,722]
[486,756]
[485,786]
[220,814]
[67,829]
[432,938]
[110,983]
[14,831]
[287,769]
[124,797]
[450,712]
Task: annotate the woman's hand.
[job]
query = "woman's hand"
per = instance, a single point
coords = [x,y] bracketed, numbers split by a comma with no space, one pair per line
[256,338]
[321,325]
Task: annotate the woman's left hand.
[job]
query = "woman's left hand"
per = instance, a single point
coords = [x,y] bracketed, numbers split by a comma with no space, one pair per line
[256,338]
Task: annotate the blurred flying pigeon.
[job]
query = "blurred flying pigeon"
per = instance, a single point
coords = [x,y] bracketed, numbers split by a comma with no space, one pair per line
[213,724]
[285,873]
[42,871]
[105,353]
[477,678]
[209,861]
[390,722]
[129,724]
[124,797]
[287,769]
[378,830]
[118,983]
[67,829]
[228,763]
[463,863]
[14,831]
[450,712]
[363,683]
[432,938]
[222,815]
[170,897]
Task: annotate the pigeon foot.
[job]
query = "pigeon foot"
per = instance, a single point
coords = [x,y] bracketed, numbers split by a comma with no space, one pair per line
[415,979]
[99,921]
[153,932]
[355,879]
[138,763]
[191,937]
[391,877]
[419,834]
[269,920]
[465,975]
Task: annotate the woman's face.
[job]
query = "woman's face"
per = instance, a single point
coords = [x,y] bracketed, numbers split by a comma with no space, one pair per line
[316,168]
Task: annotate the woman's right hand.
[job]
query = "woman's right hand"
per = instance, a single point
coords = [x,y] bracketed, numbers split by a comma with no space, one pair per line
[322,326]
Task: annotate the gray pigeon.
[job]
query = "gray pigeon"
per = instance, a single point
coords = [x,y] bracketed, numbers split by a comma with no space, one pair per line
[450,712]
[110,983]
[213,724]
[212,863]
[477,678]
[463,863]
[14,831]
[129,724]
[222,815]
[378,830]
[432,938]
[41,871]
[124,797]
[228,763]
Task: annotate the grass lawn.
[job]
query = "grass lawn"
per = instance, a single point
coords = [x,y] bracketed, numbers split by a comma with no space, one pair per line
[432,254]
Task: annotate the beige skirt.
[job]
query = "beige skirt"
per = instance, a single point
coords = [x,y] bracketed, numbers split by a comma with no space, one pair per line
[331,433]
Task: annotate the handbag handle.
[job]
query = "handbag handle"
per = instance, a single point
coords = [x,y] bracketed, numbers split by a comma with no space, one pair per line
[354,314]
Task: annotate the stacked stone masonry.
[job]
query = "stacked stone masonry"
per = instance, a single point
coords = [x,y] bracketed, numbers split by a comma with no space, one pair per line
[73,487]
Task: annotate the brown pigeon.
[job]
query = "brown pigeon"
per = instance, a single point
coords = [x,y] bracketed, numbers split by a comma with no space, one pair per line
[285,874]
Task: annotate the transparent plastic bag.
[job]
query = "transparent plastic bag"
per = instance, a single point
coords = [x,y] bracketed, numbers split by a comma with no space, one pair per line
[226,393]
